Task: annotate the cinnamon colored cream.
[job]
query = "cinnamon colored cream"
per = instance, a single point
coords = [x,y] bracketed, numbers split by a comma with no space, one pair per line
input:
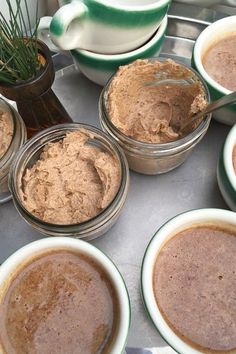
[72,181]
[59,302]
[150,113]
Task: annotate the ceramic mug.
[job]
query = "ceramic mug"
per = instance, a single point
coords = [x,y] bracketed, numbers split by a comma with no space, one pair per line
[181,222]
[218,30]
[104,26]
[27,254]
[226,175]
[99,67]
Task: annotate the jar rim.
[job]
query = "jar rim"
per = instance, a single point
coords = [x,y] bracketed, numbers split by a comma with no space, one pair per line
[8,156]
[48,134]
[12,117]
[179,144]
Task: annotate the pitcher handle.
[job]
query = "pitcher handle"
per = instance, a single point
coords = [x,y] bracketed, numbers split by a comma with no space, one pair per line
[63,32]
[44,34]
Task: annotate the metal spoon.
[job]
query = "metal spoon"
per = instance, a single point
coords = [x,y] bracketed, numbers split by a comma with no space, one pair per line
[221,102]
[162,78]
[159,81]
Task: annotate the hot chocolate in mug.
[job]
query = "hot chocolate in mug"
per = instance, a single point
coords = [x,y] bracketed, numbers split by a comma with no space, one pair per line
[104,26]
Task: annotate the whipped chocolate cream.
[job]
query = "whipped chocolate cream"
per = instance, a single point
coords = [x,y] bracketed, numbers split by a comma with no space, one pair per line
[6,132]
[72,181]
[194,283]
[220,62]
[149,113]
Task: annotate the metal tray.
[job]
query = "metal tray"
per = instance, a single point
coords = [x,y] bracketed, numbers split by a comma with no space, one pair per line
[152,200]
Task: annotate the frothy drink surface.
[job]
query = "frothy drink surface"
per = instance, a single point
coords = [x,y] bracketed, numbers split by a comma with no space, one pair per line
[220,62]
[61,302]
[195,287]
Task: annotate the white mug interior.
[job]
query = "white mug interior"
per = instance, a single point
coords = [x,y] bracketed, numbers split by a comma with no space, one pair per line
[165,233]
[17,261]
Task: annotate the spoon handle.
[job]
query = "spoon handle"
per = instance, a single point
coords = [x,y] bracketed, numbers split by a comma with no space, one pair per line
[221,102]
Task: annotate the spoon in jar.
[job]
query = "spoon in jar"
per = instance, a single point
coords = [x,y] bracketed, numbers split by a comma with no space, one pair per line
[197,118]
[162,78]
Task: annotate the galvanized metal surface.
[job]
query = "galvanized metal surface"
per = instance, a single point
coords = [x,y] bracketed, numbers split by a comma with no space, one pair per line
[152,200]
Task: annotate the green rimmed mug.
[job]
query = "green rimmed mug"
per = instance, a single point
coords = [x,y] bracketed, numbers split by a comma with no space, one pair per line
[226,176]
[211,35]
[104,26]
[209,217]
[15,265]
[100,67]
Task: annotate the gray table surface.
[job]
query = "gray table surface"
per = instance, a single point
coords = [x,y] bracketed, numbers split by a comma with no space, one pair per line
[152,200]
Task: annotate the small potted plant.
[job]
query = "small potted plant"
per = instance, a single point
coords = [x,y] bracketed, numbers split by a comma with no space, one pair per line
[27,72]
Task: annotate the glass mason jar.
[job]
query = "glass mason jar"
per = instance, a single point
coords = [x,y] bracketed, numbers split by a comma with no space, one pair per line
[30,153]
[17,140]
[152,158]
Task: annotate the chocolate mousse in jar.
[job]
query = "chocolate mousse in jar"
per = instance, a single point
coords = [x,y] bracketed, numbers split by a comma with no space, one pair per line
[12,137]
[148,120]
[70,180]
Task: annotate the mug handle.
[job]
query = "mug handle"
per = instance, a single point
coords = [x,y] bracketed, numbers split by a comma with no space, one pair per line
[44,34]
[63,33]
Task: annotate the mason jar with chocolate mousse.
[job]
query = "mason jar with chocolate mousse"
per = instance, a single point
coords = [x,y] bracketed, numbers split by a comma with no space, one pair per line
[70,180]
[146,118]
